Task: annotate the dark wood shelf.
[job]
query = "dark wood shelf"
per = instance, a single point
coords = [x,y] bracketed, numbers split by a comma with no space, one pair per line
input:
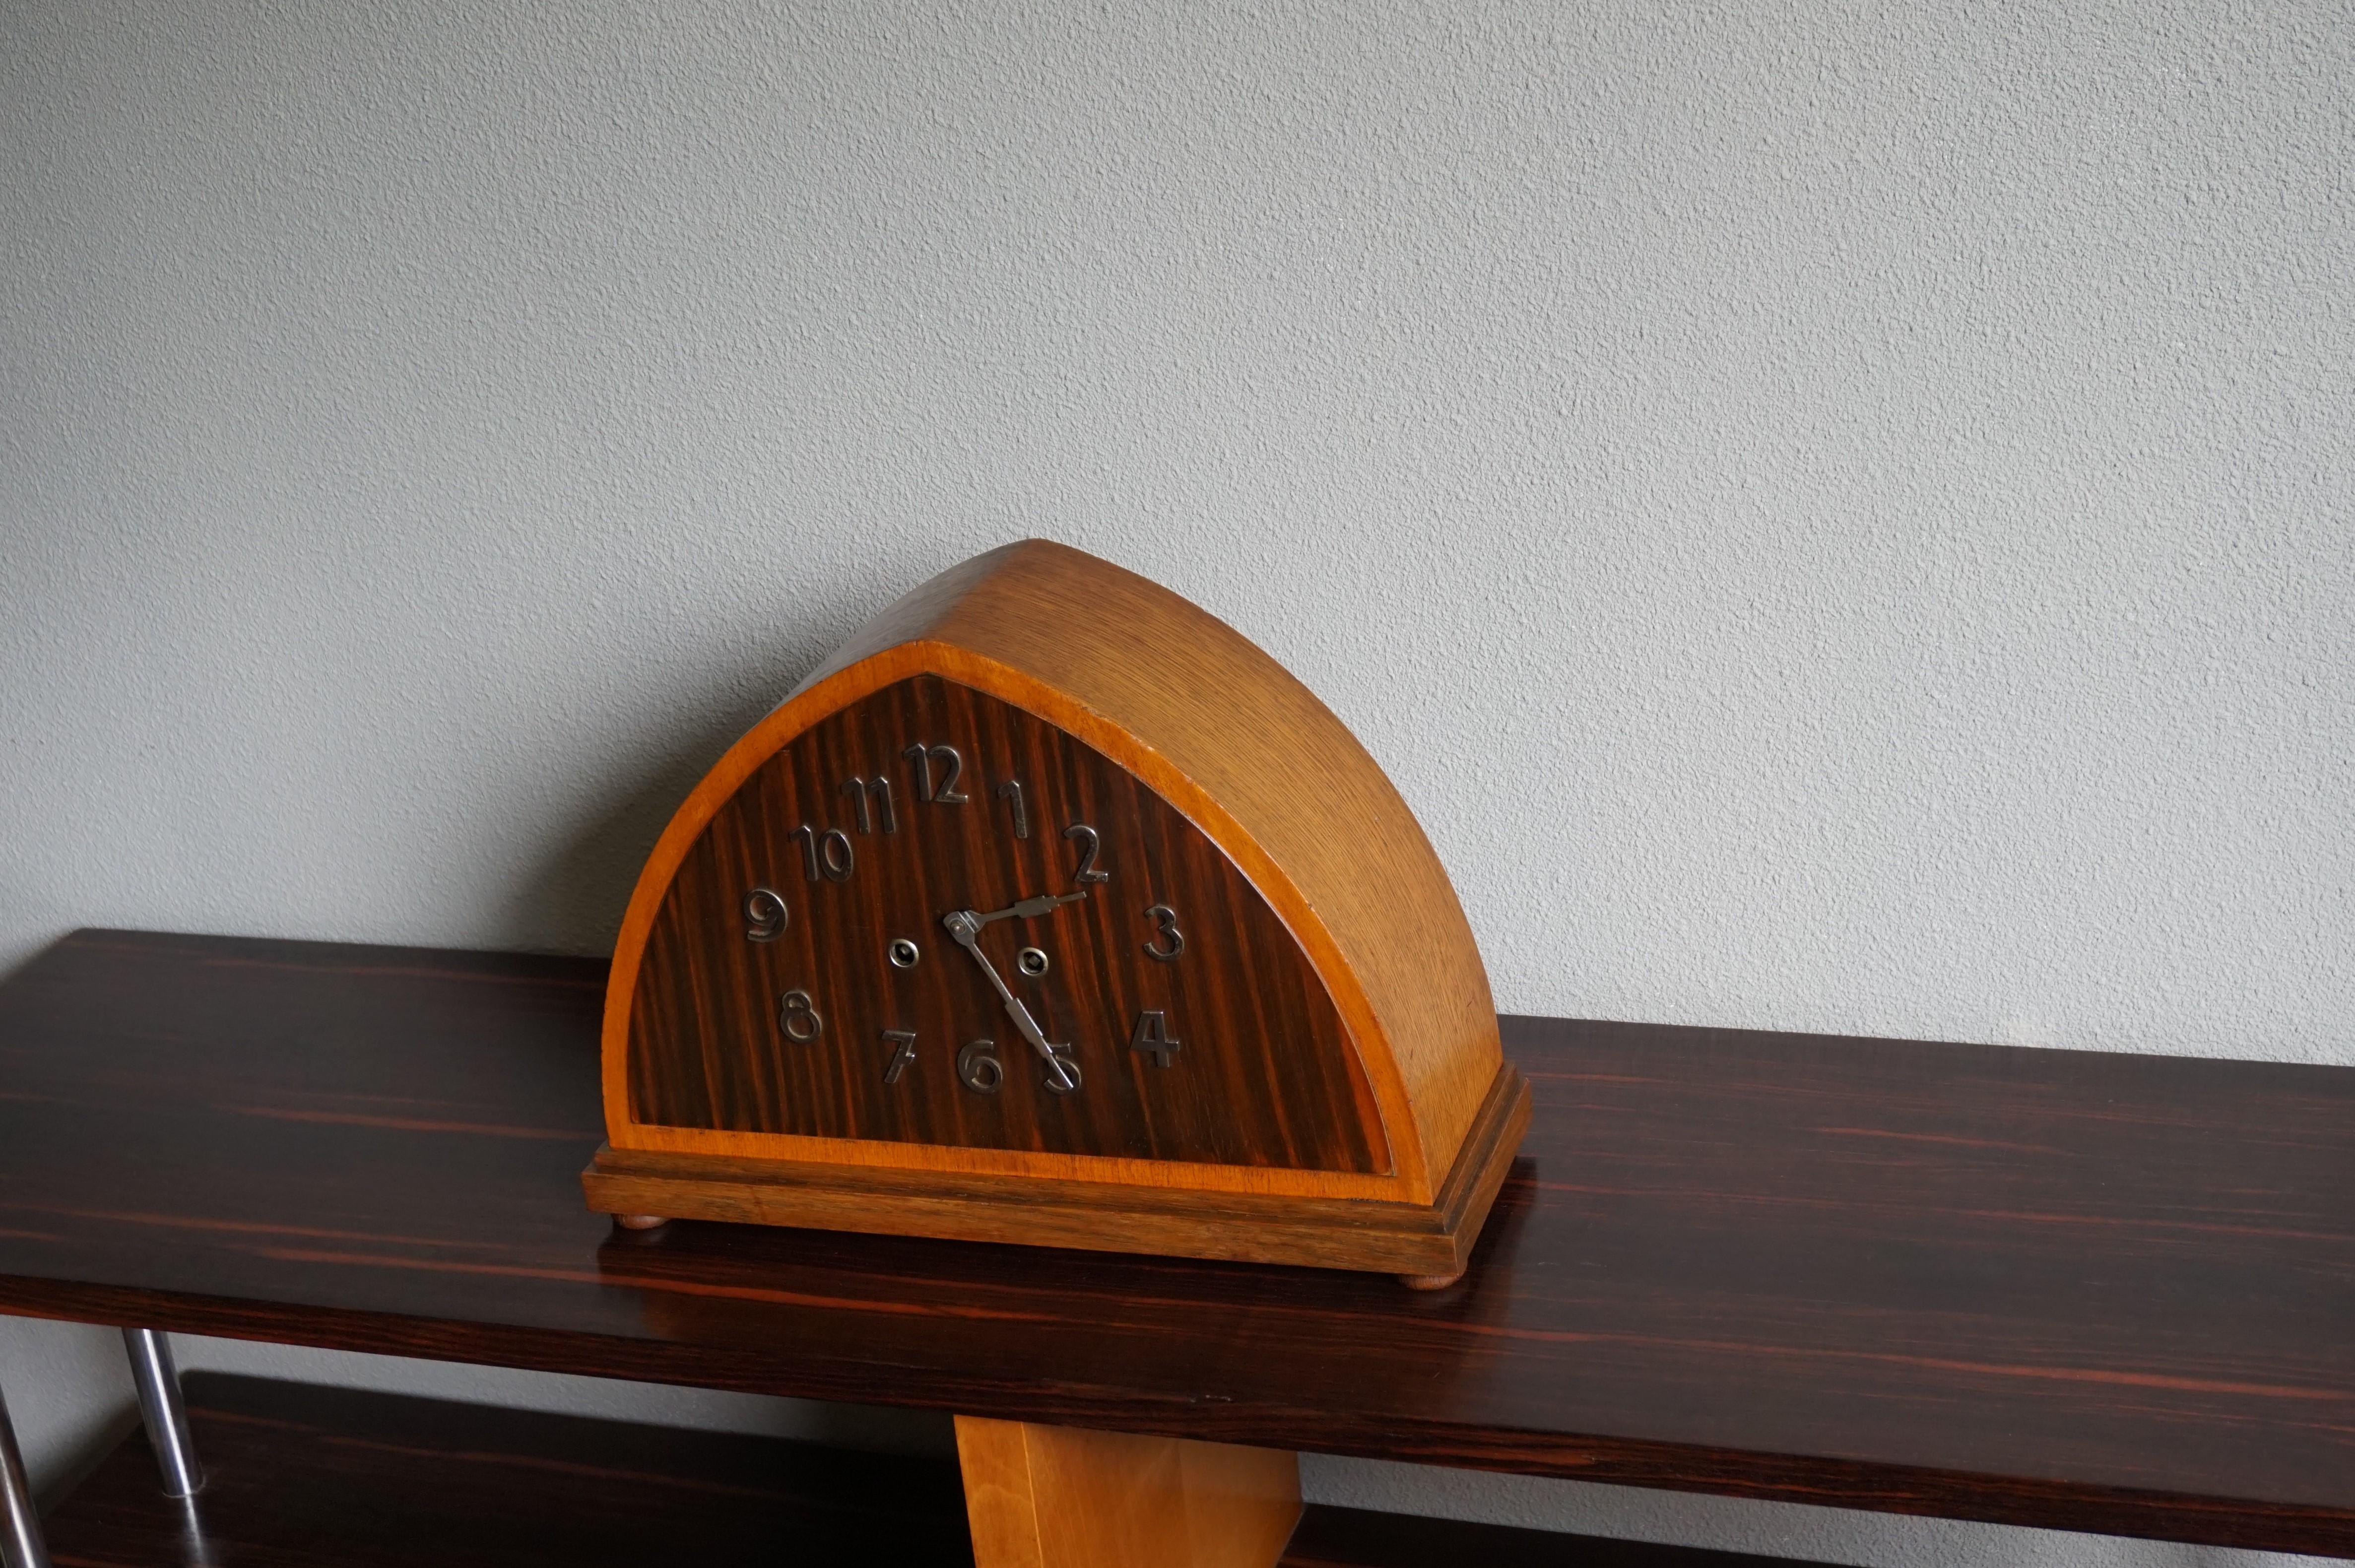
[298,1474]
[303,1477]
[2107,1293]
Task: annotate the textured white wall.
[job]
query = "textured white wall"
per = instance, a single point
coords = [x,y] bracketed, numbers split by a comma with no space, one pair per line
[1838,516]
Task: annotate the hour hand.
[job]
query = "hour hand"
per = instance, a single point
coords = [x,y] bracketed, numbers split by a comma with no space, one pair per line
[1030,909]
[964,926]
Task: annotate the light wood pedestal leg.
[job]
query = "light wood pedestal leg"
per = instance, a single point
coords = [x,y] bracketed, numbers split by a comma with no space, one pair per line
[1056,1497]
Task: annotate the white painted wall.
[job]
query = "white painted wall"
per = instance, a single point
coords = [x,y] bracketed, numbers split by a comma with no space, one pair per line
[1837,516]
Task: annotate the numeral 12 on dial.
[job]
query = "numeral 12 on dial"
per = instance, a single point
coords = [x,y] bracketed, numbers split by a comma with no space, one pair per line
[946,792]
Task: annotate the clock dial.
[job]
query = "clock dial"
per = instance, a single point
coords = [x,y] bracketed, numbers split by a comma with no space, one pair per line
[934,918]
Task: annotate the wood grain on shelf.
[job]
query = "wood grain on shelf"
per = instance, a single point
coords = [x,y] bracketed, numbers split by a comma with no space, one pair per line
[304,1477]
[1238,749]
[1056,1497]
[2092,1292]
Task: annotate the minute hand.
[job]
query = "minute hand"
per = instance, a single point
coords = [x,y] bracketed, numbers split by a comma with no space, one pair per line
[965,926]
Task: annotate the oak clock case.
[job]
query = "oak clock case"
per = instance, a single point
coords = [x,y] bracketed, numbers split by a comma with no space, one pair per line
[1052,911]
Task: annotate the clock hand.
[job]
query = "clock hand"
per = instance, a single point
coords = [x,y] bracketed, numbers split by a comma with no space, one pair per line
[965,926]
[1029,909]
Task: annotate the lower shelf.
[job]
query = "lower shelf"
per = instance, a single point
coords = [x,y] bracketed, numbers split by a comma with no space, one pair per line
[298,1474]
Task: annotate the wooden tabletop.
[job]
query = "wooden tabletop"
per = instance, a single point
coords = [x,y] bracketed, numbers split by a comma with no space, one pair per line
[2108,1293]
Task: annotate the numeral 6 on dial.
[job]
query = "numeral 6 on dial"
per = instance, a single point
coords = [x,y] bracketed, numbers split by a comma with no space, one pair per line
[978,1067]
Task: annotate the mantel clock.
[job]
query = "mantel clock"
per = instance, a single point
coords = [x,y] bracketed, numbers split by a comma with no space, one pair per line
[1051,910]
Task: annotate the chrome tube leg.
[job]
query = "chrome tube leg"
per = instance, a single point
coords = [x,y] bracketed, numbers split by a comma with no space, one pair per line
[165,1413]
[23,1545]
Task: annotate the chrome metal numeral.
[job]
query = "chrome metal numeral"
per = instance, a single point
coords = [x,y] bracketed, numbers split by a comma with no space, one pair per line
[765,915]
[1153,1037]
[1167,941]
[923,756]
[798,1017]
[1061,1074]
[826,853]
[1091,845]
[978,1067]
[1011,790]
[868,793]
[904,1053]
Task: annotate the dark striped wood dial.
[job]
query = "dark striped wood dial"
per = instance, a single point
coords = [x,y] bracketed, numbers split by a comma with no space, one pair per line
[1261,1073]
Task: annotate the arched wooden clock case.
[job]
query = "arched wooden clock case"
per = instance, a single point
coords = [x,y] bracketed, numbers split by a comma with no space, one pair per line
[1051,910]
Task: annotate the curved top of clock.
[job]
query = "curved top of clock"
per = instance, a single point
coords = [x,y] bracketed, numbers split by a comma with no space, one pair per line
[1232,743]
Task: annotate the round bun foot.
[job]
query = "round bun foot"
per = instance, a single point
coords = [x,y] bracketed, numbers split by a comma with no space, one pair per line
[1429,1281]
[639,1221]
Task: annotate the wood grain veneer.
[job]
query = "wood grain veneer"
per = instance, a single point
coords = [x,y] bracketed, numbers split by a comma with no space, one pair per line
[2093,1292]
[1264,1075]
[1056,1497]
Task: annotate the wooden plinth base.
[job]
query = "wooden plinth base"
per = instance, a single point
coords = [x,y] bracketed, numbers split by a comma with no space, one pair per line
[1055,1497]
[1405,1239]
